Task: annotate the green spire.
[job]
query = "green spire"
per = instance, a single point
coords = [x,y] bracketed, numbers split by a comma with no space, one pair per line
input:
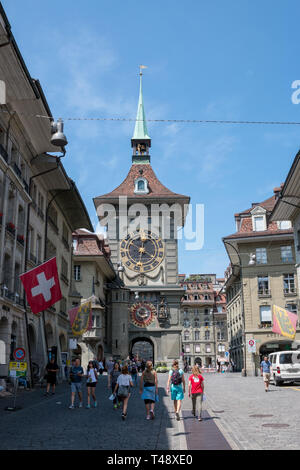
[140,130]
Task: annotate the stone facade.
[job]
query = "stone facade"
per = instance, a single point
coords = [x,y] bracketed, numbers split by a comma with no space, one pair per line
[203,318]
[39,208]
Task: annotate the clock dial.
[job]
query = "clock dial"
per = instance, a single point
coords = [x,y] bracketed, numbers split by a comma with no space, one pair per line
[142,251]
[142,314]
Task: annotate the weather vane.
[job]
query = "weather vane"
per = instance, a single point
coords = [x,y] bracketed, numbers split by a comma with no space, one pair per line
[142,67]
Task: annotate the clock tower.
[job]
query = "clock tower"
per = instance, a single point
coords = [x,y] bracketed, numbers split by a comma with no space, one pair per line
[142,217]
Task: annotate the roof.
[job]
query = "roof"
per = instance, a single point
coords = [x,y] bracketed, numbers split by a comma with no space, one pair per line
[245,222]
[140,129]
[156,188]
[90,244]
[288,204]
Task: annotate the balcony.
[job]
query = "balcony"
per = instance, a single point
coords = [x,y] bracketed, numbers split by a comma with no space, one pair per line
[20,239]
[10,227]
[95,332]
[290,291]
[264,293]
[64,278]
[17,170]
[265,324]
[66,244]
[3,153]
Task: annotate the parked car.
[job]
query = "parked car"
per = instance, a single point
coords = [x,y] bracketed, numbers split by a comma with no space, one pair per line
[285,366]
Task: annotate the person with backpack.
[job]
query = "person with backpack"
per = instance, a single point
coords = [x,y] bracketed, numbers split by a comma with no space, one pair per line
[177,381]
[76,375]
[196,389]
[134,373]
[92,379]
[122,388]
[149,389]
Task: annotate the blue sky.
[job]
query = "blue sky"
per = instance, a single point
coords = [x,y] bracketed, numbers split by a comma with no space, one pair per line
[206,60]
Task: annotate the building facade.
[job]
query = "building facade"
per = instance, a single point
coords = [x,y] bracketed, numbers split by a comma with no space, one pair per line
[203,319]
[40,207]
[141,216]
[261,274]
[96,280]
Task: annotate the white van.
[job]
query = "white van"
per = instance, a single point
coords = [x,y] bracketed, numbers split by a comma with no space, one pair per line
[285,366]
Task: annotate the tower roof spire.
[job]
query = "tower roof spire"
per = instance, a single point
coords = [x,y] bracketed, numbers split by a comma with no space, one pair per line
[140,129]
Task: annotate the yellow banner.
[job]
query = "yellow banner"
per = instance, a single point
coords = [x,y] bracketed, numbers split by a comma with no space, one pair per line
[284,322]
[83,319]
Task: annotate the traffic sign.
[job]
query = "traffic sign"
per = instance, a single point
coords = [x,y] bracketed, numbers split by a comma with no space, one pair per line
[19,354]
[252,346]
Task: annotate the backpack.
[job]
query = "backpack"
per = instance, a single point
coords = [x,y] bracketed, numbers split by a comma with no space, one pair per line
[123,391]
[176,378]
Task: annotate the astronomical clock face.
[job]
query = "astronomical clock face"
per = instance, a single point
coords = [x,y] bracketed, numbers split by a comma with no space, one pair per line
[142,314]
[142,251]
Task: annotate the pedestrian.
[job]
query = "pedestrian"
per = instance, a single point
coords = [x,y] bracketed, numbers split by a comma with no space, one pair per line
[95,364]
[265,372]
[123,385]
[143,365]
[101,367]
[134,374]
[76,374]
[51,370]
[112,381]
[196,390]
[109,365]
[149,389]
[177,381]
[92,379]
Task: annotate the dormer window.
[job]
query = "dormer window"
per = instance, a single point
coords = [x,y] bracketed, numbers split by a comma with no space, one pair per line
[284,224]
[141,186]
[259,219]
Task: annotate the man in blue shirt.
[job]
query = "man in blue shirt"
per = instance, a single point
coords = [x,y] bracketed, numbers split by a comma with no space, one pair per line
[265,372]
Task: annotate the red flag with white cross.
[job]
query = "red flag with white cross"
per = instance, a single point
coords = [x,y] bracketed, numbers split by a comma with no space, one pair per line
[42,286]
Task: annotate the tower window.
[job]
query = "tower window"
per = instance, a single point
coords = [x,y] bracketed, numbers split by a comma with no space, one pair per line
[141,186]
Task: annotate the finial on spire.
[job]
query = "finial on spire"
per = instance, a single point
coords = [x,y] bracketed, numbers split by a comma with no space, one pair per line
[140,130]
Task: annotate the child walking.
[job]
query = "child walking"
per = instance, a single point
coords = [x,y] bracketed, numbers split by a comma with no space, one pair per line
[196,389]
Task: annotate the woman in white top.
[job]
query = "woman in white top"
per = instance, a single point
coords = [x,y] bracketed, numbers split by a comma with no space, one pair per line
[123,385]
[91,383]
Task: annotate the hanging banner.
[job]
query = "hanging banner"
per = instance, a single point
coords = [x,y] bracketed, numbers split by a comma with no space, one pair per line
[81,318]
[284,322]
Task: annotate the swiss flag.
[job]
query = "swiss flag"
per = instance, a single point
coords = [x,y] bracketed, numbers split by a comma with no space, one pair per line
[42,286]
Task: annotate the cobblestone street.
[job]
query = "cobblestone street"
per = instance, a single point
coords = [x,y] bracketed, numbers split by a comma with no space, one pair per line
[47,423]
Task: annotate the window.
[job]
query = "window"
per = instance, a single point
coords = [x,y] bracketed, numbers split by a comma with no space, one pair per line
[77,272]
[221,348]
[292,308]
[196,297]
[186,323]
[284,224]
[186,336]
[187,348]
[285,358]
[221,336]
[141,186]
[263,285]
[197,348]
[64,268]
[261,256]
[207,335]
[207,348]
[196,323]
[197,335]
[265,314]
[259,223]
[286,254]
[63,305]
[289,284]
